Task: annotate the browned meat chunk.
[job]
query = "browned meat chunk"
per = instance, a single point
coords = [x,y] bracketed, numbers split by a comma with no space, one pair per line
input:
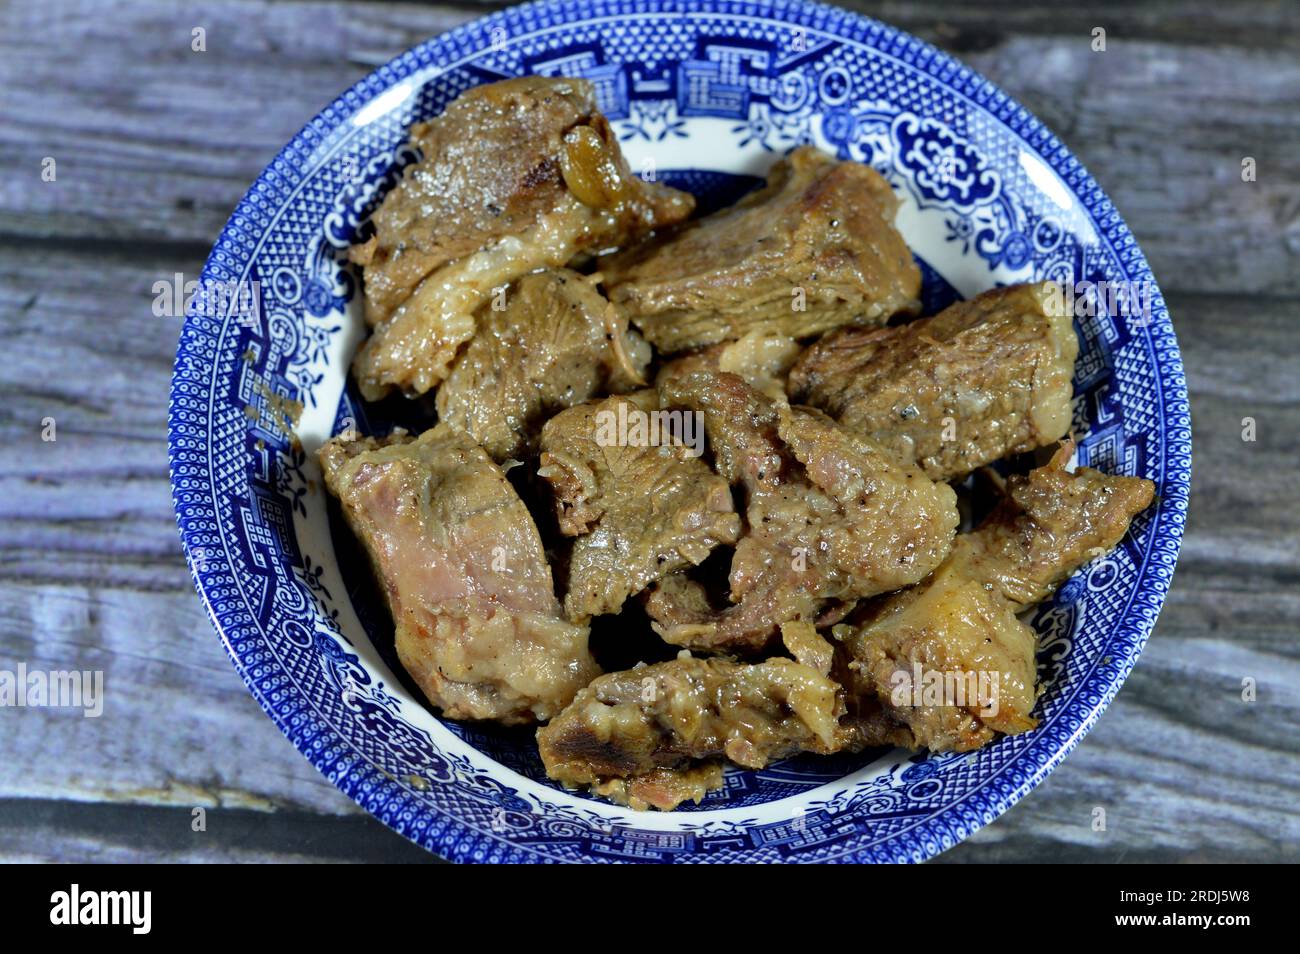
[982,379]
[740,421]
[635,494]
[650,736]
[637,724]
[814,249]
[478,626]
[896,523]
[556,343]
[516,176]
[808,646]
[762,358]
[1052,522]
[830,517]
[664,788]
[947,661]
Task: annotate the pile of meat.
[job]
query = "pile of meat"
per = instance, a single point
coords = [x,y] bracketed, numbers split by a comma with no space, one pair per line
[733,430]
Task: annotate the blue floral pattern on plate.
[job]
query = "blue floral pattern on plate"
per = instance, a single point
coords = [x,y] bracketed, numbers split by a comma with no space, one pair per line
[704,95]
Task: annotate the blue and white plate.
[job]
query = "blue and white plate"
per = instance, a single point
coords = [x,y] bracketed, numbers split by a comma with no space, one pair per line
[706,95]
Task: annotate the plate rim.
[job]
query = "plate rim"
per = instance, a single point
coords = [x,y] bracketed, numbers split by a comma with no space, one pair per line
[954,822]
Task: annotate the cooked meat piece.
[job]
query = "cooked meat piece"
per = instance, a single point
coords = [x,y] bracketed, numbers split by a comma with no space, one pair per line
[635,494]
[762,358]
[490,169]
[478,626]
[1052,522]
[516,176]
[982,379]
[948,660]
[814,249]
[830,517]
[556,343]
[740,421]
[897,524]
[808,646]
[961,622]
[670,715]
[664,788]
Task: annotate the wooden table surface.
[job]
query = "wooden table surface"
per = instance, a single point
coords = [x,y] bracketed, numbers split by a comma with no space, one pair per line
[155,143]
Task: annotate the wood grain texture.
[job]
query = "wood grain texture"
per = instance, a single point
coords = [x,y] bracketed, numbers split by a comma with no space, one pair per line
[114,92]
[90,570]
[192,130]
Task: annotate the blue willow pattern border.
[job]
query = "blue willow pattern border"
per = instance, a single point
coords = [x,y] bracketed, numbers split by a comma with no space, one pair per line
[238,475]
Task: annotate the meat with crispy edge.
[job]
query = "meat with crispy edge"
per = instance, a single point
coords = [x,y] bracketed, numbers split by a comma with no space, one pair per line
[641,504]
[516,175]
[555,343]
[948,663]
[813,250]
[478,626]
[980,380]
[646,730]
[830,516]
[663,789]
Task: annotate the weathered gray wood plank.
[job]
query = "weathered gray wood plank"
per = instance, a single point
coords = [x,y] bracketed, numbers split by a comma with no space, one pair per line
[983,23]
[90,570]
[1164,131]
[101,487]
[91,576]
[158,142]
[154,141]
[974,24]
[155,144]
[41,831]
[178,727]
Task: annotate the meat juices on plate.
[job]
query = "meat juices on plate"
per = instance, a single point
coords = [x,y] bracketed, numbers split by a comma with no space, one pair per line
[639,506]
[814,249]
[962,619]
[556,343]
[980,380]
[478,626]
[830,517]
[517,175]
